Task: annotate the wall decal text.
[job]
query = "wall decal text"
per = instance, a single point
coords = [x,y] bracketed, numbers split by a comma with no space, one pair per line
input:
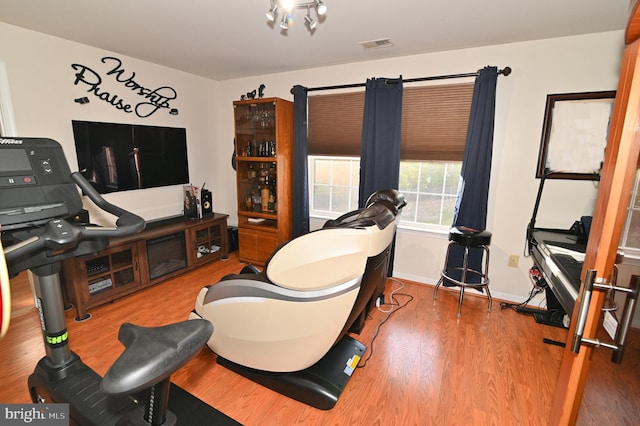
[153,98]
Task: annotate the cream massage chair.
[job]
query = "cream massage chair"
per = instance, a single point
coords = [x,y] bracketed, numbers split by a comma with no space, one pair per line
[286,327]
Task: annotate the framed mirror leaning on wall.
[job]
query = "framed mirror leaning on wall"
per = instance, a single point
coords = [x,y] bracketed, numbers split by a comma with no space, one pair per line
[574,135]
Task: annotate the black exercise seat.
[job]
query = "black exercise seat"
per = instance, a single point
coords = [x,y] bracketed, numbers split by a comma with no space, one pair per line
[152,354]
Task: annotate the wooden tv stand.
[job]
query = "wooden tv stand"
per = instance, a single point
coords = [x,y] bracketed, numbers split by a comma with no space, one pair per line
[164,249]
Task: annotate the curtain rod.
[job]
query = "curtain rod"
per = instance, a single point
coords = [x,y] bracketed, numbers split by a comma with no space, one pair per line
[505,71]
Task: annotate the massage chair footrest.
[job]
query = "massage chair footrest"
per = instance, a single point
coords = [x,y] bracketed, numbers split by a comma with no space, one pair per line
[320,385]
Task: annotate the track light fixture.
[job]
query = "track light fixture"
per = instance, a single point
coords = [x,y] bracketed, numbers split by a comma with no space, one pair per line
[287,7]
[271,14]
[284,24]
[310,21]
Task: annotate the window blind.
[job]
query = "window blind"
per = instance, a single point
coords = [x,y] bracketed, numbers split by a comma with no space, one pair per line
[434,122]
[335,123]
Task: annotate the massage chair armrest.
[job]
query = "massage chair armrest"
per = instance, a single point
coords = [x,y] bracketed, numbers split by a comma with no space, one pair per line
[271,328]
[249,286]
[250,269]
[249,272]
[245,277]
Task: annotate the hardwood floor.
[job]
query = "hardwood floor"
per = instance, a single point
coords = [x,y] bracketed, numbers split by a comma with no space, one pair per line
[428,367]
[21,295]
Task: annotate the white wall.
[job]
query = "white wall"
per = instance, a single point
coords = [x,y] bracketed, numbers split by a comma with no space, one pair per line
[41,83]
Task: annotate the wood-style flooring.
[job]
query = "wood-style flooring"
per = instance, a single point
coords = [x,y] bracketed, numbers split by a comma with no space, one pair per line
[427,367]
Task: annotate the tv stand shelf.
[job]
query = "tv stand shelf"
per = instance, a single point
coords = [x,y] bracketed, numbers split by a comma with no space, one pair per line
[164,249]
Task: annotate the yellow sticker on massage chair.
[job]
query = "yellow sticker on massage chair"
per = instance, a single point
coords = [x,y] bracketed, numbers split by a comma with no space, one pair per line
[352,363]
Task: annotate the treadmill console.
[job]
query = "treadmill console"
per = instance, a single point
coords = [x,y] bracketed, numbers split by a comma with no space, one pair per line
[35,183]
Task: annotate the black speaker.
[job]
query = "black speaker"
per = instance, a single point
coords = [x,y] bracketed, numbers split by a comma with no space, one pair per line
[232,232]
[207,204]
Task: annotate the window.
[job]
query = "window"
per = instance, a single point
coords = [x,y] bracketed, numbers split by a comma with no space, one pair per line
[434,127]
[631,233]
[333,185]
[430,188]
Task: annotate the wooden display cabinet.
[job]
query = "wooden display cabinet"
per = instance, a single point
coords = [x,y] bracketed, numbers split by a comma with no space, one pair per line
[264,168]
[161,251]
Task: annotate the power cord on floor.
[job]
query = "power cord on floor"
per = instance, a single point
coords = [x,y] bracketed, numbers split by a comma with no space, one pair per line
[534,291]
[395,306]
[379,304]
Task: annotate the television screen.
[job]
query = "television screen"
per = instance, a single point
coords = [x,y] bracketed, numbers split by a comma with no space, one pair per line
[121,157]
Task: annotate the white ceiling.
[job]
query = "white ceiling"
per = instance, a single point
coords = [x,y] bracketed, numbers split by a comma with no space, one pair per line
[230,39]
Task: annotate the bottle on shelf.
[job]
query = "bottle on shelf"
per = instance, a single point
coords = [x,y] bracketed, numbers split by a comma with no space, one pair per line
[256,202]
[251,172]
[267,178]
[263,173]
[264,198]
[248,201]
[272,186]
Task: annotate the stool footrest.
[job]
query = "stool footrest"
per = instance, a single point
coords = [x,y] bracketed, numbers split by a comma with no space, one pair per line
[484,281]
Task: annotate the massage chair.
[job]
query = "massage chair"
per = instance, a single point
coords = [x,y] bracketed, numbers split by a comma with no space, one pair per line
[380,216]
[286,326]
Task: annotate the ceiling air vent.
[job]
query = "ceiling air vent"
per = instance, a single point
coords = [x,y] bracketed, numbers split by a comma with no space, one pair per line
[375,44]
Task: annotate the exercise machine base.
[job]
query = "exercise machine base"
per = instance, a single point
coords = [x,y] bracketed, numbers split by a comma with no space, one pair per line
[320,385]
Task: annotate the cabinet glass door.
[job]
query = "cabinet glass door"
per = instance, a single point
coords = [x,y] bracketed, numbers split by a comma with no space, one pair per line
[111,271]
[208,240]
[122,265]
[256,158]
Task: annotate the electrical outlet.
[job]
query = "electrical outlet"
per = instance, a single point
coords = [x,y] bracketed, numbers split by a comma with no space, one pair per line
[513,260]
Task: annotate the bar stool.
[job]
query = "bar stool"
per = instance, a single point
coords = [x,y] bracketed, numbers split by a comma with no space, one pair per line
[467,238]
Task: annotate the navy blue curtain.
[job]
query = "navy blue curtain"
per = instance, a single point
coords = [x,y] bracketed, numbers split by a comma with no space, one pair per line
[380,148]
[473,191]
[300,198]
[380,145]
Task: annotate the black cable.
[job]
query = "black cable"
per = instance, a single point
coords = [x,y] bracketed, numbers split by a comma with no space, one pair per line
[534,291]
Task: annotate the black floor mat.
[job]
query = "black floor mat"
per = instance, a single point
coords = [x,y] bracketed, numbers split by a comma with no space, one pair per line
[192,411]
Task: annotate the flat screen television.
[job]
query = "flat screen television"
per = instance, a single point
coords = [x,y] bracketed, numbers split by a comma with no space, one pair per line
[121,157]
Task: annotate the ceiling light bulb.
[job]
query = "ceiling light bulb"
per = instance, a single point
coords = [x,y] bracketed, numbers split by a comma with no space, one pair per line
[312,22]
[284,24]
[271,14]
[321,7]
[288,5]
